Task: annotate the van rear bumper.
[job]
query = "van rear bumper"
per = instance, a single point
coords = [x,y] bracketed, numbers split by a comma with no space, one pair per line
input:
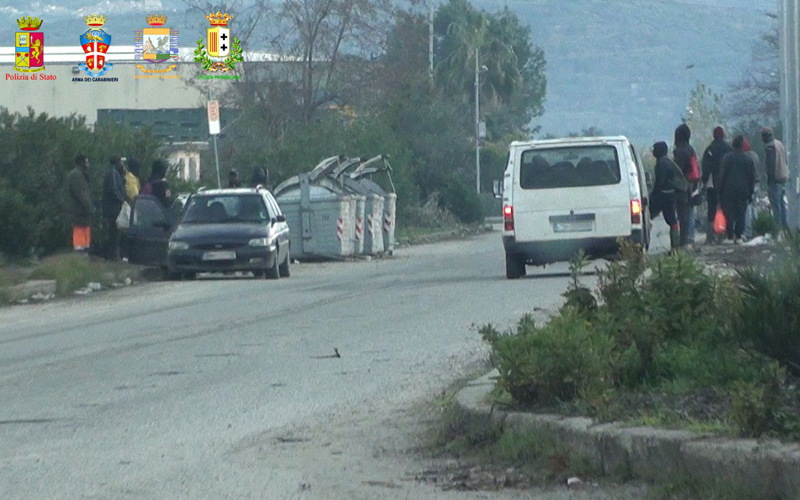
[539,253]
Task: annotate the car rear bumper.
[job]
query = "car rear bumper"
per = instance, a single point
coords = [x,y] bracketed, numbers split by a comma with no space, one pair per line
[547,252]
[247,259]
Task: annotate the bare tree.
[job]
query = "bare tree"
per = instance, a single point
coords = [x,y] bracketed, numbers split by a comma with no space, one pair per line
[757,95]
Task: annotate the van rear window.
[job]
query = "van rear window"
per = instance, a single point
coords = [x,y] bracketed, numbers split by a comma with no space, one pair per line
[578,166]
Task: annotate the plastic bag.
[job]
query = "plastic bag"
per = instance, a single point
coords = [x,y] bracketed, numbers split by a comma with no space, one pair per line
[720,222]
[124,217]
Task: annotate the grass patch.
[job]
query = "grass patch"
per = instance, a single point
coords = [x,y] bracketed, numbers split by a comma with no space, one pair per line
[72,272]
[688,489]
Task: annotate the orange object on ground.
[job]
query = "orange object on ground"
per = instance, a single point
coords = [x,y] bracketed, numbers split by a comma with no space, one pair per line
[81,237]
[720,222]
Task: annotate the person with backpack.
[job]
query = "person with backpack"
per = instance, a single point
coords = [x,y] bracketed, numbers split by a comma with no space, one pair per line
[712,159]
[686,159]
[750,215]
[736,185]
[777,166]
[669,186]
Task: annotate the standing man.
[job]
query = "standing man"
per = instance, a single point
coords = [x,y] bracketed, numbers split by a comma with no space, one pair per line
[712,159]
[79,204]
[736,185]
[686,159]
[113,198]
[159,187]
[132,182]
[669,185]
[750,215]
[233,179]
[777,166]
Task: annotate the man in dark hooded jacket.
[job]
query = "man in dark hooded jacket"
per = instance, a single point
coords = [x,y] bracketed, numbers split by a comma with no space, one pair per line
[736,185]
[712,159]
[669,185]
[685,156]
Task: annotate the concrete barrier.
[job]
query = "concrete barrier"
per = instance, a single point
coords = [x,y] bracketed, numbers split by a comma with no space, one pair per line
[769,467]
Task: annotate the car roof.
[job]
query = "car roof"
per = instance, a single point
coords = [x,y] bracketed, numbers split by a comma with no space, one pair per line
[571,141]
[230,191]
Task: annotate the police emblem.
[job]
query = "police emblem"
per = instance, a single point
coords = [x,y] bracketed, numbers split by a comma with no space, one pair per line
[220,45]
[156,44]
[95,43]
[29,46]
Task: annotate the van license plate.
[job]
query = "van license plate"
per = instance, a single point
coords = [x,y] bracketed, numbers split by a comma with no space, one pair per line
[219,256]
[573,227]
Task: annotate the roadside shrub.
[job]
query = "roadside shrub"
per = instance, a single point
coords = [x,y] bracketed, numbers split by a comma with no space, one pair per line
[74,271]
[17,222]
[769,316]
[463,202]
[756,407]
[560,361]
[765,223]
[428,215]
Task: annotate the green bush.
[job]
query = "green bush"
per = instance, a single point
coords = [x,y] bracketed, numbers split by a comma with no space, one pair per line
[73,271]
[463,202]
[757,407]
[560,361]
[769,316]
[765,223]
[17,222]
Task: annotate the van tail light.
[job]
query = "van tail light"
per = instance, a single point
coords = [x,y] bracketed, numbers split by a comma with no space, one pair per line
[636,212]
[508,218]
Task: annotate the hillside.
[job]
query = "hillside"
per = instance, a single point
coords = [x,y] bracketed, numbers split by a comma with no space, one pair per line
[620,65]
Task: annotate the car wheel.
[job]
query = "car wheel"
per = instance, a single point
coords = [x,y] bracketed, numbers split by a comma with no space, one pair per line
[284,269]
[515,267]
[273,273]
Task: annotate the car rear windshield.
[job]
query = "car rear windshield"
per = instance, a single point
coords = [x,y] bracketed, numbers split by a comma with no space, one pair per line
[575,166]
[226,208]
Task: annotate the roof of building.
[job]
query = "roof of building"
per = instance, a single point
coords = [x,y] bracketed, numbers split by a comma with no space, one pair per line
[125,54]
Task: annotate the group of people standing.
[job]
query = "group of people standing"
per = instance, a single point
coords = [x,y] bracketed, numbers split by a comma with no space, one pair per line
[730,174]
[121,185]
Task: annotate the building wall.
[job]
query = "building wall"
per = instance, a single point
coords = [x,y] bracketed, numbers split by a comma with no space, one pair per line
[63,96]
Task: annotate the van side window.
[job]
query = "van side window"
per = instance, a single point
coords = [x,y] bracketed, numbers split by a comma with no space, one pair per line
[577,166]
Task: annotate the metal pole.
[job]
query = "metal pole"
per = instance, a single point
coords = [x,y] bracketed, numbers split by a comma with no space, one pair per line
[430,40]
[477,122]
[216,157]
[789,14]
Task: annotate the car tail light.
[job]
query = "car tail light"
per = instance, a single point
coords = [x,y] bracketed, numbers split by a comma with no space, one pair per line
[636,212]
[508,218]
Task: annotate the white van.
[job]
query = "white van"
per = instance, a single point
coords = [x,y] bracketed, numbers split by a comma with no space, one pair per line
[560,196]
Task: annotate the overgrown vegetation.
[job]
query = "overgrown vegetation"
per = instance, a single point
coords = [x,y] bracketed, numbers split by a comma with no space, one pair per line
[664,332]
[39,153]
[73,271]
[765,223]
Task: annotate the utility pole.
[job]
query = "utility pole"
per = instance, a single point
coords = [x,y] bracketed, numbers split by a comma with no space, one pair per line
[430,40]
[477,121]
[789,15]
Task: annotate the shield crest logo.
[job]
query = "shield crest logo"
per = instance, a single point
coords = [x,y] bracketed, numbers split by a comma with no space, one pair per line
[29,46]
[156,43]
[219,45]
[219,41]
[95,43]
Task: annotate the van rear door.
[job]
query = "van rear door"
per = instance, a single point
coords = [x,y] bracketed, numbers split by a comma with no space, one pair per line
[572,191]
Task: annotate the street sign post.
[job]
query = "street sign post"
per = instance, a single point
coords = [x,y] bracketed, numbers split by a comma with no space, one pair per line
[213,130]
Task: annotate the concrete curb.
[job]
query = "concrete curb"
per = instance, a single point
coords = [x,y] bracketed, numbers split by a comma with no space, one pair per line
[768,467]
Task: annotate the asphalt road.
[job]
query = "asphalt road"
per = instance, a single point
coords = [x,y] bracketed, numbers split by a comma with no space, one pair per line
[223,388]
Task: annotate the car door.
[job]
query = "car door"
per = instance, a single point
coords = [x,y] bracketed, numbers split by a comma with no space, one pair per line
[151,226]
[280,226]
